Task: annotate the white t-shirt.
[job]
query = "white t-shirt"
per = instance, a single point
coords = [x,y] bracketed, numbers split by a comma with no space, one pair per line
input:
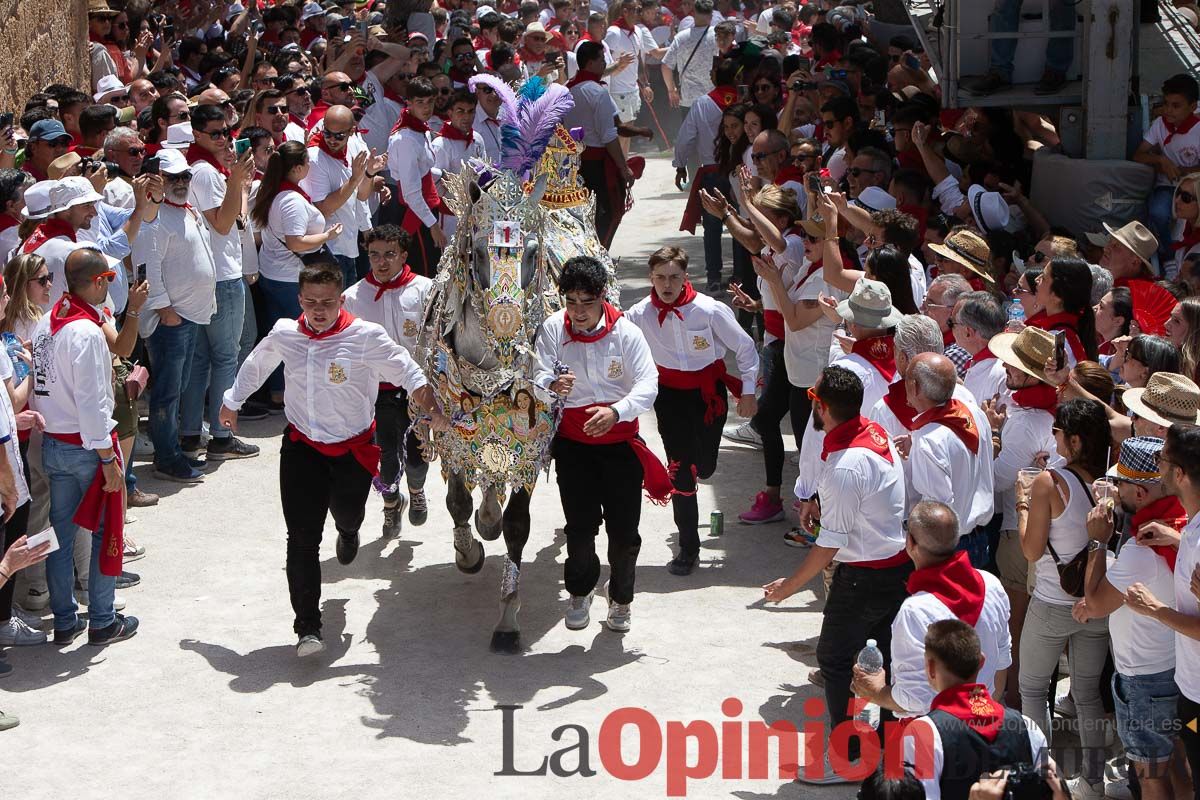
[208,192]
[806,351]
[1140,645]
[1187,649]
[326,175]
[290,215]
[620,42]
[1183,150]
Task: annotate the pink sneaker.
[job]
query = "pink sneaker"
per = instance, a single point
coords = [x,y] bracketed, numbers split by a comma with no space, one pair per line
[765,509]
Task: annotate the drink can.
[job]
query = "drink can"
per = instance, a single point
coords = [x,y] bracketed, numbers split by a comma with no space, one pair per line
[716,523]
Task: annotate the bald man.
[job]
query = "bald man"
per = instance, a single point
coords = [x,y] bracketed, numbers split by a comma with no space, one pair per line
[951,453]
[142,93]
[213,96]
[336,90]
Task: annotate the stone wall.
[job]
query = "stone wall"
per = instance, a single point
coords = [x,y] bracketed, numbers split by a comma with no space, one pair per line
[41,42]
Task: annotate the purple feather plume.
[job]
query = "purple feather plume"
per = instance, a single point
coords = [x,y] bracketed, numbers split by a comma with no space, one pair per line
[536,122]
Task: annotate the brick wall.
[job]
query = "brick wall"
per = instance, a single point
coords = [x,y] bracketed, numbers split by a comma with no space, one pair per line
[41,42]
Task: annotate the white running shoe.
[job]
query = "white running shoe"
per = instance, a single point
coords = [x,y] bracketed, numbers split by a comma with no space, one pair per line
[579,614]
[745,434]
[309,645]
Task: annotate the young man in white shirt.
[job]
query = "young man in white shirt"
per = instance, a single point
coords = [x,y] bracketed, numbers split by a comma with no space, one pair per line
[457,142]
[944,585]
[951,453]
[861,491]
[73,393]
[626,87]
[393,296]
[602,465]
[216,191]
[181,272]
[411,164]
[333,363]
[689,334]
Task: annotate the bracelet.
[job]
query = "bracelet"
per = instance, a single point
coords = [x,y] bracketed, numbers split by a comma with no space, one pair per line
[134,314]
[108,460]
[5,575]
[726,215]
[1022,507]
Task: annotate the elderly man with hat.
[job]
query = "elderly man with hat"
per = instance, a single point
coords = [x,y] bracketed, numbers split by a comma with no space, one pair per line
[1144,690]
[1128,251]
[48,140]
[964,252]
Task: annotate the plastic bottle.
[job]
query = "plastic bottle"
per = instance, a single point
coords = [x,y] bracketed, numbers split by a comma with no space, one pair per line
[870,660]
[1016,313]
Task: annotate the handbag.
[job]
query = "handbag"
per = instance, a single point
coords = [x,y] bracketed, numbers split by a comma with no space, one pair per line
[135,382]
[1072,576]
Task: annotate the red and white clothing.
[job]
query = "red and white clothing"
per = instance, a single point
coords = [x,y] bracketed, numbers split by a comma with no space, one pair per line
[380,117]
[594,111]
[951,461]
[328,173]
[695,142]
[397,305]
[622,39]
[410,162]
[72,378]
[806,351]
[206,193]
[1185,244]
[452,148]
[1141,645]
[54,240]
[986,378]
[1179,143]
[1068,323]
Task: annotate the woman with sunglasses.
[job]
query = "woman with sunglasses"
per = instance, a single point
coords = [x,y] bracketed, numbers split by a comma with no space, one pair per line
[1064,293]
[1185,241]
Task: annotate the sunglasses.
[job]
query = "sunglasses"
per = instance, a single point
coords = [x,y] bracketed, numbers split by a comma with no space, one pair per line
[446,90]
[178,178]
[44,281]
[276,110]
[109,276]
[181,116]
[856,171]
[222,133]
[812,394]
[485,89]
[812,239]
[340,135]
[1038,257]
[763,156]
[344,85]
[464,57]
[1186,197]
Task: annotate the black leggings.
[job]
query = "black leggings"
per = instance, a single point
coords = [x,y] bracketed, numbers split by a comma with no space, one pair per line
[779,397]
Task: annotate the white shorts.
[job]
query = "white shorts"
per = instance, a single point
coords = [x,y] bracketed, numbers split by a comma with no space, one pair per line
[628,105]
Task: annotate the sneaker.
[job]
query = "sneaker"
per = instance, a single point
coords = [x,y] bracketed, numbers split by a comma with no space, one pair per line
[309,645]
[230,447]
[1118,790]
[36,599]
[133,551]
[714,287]
[418,507]
[1052,80]
[347,547]
[15,633]
[983,85]
[393,515]
[127,580]
[140,499]
[190,445]
[618,617]
[65,636]
[252,410]
[1064,706]
[8,721]
[796,537]
[683,564]
[825,777]
[32,620]
[142,446]
[765,509]
[579,614]
[182,473]
[744,434]
[122,628]
[1080,789]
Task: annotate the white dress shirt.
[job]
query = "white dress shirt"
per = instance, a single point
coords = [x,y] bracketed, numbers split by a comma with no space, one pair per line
[399,311]
[55,251]
[295,133]
[594,111]
[617,369]
[862,502]
[330,384]
[696,80]
[695,141]
[986,380]
[327,175]
[1187,649]
[910,688]
[707,331]
[943,469]
[380,117]
[179,269]
[1140,645]
[207,192]
[72,381]
[449,155]
[1026,432]
[410,159]
[489,132]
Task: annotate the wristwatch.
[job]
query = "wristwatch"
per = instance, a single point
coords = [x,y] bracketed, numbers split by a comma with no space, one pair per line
[1094,545]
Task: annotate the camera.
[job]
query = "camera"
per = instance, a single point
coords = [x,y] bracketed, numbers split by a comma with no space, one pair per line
[1027,782]
[803,86]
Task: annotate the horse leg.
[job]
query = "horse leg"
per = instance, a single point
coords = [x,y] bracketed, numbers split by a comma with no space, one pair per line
[506,637]
[487,518]
[468,551]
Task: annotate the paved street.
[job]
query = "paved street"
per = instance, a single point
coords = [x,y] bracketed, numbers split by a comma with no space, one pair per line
[209,699]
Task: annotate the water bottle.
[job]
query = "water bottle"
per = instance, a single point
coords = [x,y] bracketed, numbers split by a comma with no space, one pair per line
[1016,315]
[870,660]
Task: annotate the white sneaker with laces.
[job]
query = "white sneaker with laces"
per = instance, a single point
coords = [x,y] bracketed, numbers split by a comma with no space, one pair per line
[1081,789]
[744,434]
[309,645]
[579,614]
[619,616]
[32,620]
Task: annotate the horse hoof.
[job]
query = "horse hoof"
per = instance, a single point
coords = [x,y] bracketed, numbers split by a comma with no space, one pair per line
[472,561]
[489,533]
[506,642]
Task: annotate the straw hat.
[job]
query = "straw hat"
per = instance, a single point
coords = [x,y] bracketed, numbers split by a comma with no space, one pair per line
[969,249]
[1167,399]
[100,8]
[1138,238]
[1027,351]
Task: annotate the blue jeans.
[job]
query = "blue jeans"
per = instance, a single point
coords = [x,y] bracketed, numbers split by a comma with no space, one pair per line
[214,362]
[171,349]
[1006,18]
[1147,714]
[349,265]
[283,300]
[249,326]
[714,228]
[70,470]
[1161,221]
[975,544]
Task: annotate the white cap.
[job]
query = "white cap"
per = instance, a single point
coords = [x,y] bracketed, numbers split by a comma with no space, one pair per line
[482,11]
[311,10]
[873,198]
[990,209]
[172,162]
[37,200]
[71,192]
[179,136]
[106,87]
[233,10]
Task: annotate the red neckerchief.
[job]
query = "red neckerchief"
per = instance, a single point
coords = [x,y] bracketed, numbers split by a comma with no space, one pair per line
[947,338]
[789,172]
[527,56]
[298,120]
[68,309]
[957,417]
[880,353]
[196,153]
[1167,510]
[828,60]
[857,432]
[389,94]
[1065,321]
[611,315]
[316,115]
[176,205]
[586,36]
[288,186]
[454,134]
[7,221]
[956,583]
[317,140]
[84,151]
[1182,127]
[481,43]
[583,76]
[408,122]
[723,96]
[1042,396]
[458,76]
[35,172]
[399,282]
[980,357]
[896,399]
[340,324]
[1191,238]
[621,24]
[47,231]
[686,296]
[971,703]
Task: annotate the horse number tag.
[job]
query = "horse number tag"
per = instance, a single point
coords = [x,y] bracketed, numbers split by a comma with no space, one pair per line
[506,233]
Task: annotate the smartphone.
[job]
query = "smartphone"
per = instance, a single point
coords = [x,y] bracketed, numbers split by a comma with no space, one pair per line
[140,273]
[241,147]
[743,91]
[837,74]
[912,62]
[168,33]
[362,29]
[1060,349]
[805,63]
[6,120]
[814,183]
[150,166]
[347,24]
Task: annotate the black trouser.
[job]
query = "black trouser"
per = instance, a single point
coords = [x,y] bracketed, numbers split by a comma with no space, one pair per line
[690,442]
[744,276]
[862,604]
[424,255]
[391,422]
[599,481]
[778,398]
[311,484]
[609,206]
